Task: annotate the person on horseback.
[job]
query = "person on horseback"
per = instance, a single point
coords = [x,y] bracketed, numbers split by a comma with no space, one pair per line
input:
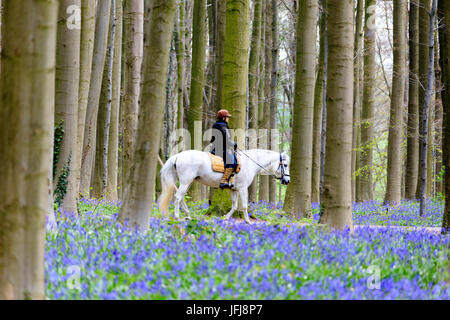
[224,146]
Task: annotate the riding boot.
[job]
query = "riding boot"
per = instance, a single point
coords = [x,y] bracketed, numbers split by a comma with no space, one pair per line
[226,177]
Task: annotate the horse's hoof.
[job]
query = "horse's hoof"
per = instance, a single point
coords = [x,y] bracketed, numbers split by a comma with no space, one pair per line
[188,218]
[248,222]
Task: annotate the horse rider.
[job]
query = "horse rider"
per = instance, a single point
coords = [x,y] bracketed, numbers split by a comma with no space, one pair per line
[224,146]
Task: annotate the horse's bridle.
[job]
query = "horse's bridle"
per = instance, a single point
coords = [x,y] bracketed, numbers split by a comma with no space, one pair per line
[281,165]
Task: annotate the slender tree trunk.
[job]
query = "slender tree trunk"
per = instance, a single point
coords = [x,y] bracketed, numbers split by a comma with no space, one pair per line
[134,42]
[113,143]
[318,104]
[255,49]
[424,22]
[264,139]
[179,47]
[337,197]
[394,167]
[357,85]
[88,8]
[104,116]
[438,120]
[298,193]
[412,157]
[27,104]
[274,137]
[424,134]
[138,200]
[66,102]
[195,112]
[364,176]
[221,24]
[444,40]
[98,63]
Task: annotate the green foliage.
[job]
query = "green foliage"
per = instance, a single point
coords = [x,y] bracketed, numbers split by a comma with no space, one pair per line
[61,186]
[58,138]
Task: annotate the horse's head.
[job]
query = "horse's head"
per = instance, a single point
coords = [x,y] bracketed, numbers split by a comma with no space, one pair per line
[283,169]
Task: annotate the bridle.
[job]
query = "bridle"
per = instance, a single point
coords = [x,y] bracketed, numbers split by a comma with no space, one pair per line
[280,165]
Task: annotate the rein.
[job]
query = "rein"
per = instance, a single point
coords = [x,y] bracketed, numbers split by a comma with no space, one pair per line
[269,173]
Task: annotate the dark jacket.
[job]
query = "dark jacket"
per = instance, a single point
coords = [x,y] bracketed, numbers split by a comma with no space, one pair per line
[222,144]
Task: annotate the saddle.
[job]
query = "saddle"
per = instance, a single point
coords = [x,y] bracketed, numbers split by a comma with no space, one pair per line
[218,165]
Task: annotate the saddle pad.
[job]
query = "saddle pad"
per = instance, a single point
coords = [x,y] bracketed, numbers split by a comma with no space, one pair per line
[218,166]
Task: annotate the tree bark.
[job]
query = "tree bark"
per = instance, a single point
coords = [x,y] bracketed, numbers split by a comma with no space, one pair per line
[138,200]
[424,22]
[318,109]
[298,193]
[179,47]
[337,197]
[255,49]
[27,104]
[88,8]
[357,85]
[425,112]
[66,102]
[195,111]
[220,53]
[134,42]
[394,164]
[364,176]
[444,41]
[98,63]
[264,137]
[412,157]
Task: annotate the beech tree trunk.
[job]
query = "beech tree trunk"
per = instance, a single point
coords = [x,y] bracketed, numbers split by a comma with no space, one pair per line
[66,102]
[195,111]
[318,110]
[27,104]
[140,189]
[255,51]
[394,164]
[298,193]
[444,41]
[365,182]
[357,85]
[412,153]
[337,197]
[95,85]
[134,46]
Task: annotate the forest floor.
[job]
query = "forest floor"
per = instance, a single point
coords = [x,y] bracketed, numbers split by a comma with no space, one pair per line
[390,255]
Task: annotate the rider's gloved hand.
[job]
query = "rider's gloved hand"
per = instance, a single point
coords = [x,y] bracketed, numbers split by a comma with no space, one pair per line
[235,146]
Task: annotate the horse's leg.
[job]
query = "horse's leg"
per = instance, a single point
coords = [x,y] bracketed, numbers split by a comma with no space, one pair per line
[234,199]
[179,198]
[243,193]
[186,209]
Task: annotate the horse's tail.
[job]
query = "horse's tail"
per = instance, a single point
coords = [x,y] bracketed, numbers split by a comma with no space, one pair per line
[168,184]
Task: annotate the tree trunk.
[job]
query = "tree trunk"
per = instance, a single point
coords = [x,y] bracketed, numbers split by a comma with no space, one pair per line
[179,47]
[337,197]
[255,50]
[424,22]
[438,120]
[425,112]
[134,42]
[220,49]
[138,200]
[98,63]
[264,138]
[27,104]
[412,157]
[357,85]
[66,102]
[318,104]
[298,193]
[195,112]
[364,176]
[113,143]
[444,40]
[394,167]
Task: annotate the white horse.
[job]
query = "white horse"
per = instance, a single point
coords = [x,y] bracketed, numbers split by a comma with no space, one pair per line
[191,165]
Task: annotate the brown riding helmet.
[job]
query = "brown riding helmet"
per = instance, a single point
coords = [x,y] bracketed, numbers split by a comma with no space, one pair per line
[223,114]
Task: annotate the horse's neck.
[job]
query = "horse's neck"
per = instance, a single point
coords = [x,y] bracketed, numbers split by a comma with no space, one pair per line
[263,158]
